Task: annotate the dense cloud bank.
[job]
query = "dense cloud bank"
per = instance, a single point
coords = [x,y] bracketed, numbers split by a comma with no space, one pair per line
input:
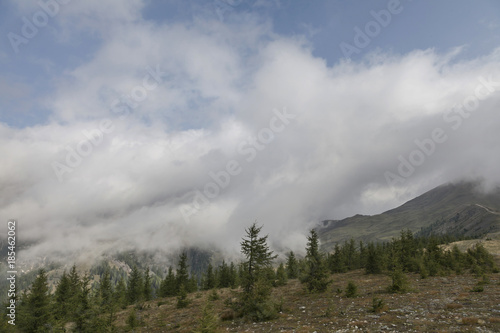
[175,135]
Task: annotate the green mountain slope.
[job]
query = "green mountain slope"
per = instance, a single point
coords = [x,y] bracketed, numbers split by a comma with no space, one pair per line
[451,208]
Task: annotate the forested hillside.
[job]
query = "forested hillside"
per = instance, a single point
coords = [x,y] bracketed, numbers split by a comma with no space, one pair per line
[97,300]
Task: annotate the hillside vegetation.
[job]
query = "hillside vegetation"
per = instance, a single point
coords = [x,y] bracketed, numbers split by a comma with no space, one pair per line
[408,284]
[458,209]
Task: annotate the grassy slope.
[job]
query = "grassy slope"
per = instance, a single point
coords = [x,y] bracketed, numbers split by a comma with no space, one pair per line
[436,304]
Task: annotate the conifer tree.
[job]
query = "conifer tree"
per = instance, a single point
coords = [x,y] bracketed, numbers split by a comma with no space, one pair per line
[34,309]
[373,260]
[208,322]
[241,272]
[224,276]
[182,275]
[408,251]
[74,282]
[351,290]
[337,262]
[61,298]
[363,254]
[120,294]
[192,284]
[168,285]
[350,254]
[82,313]
[317,276]
[147,290]
[209,281]
[457,260]
[234,275]
[106,291]
[106,298]
[255,301]
[135,286]
[399,283]
[182,299]
[281,278]
[258,255]
[292,268]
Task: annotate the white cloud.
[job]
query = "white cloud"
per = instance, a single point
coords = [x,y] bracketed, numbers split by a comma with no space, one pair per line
[220,86]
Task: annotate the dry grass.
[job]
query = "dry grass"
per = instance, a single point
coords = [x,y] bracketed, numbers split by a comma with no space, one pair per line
[454,306]
[462,297]
[492,245]
[470,321]
[432,306]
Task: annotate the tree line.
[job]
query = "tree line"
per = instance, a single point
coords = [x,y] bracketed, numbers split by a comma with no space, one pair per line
[92,308]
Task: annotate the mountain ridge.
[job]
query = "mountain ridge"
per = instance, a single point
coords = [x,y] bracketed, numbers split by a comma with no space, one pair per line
[454,208]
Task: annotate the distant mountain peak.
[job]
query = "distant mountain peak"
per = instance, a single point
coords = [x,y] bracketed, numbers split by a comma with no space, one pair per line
[461,208]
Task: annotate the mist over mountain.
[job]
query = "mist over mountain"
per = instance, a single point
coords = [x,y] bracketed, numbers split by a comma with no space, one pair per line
[459,209]
[157,126]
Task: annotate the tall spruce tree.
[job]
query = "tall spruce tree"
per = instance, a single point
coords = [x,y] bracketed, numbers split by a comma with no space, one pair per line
[350,254]
[209,281]
[281,277]
[292,268]
[182,274]
[337,262]
[61,298]
[317,275]
[374,261]
[224,276]
[34,310]
[106,298]
[255,301]
[135,286]
[148,289]
[234,275]
[168,286]
[83,313]
[120,294]
[258,255]
[106,290]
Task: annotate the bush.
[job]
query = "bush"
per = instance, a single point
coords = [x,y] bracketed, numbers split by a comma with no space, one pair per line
[378,305]
[351,290]
[182,299]
[453,306]
[424,272]
[478,289]
[485,280]
[132,320]
[257,306]
[399,282]
[208,322]
[213,296]
[281,278]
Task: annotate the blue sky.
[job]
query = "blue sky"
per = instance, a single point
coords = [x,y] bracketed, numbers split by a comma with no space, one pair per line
[438,25]
[199,117]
